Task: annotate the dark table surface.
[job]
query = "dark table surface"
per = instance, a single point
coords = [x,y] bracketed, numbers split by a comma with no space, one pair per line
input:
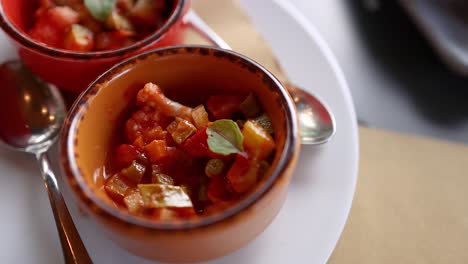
[396,79]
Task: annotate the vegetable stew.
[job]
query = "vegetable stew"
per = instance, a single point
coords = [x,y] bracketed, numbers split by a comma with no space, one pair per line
[96,25]
[175,161]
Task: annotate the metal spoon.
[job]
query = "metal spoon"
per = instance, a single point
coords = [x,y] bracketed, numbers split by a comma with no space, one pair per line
[31,117]
[316,121]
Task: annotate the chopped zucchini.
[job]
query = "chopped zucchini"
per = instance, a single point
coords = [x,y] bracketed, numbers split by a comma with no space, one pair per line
[160,178]
[200,117]
[134,172]
[161,195]
[116,187]
[181,130]
[134,201]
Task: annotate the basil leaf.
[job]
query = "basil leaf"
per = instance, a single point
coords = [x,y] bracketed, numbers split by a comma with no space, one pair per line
[100,9]
[225,137]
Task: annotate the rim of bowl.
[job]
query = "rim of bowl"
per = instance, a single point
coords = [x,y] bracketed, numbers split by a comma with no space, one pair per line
[79,108]
[24,39]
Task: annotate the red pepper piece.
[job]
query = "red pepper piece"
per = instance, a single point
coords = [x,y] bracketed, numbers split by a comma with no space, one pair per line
[243,173]
[197,146]
[218,189]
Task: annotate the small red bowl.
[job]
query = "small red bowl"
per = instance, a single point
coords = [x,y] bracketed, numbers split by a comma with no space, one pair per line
[74,71]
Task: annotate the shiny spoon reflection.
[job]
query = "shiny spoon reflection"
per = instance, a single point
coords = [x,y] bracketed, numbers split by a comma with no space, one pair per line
[316,122]
[32,115]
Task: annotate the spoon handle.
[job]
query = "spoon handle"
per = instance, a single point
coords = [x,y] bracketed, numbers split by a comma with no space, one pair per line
[73,248]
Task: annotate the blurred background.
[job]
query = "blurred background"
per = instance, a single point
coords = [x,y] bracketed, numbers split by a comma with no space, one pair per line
[397,80]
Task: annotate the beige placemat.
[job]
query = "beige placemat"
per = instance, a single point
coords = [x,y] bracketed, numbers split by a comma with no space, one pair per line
[411,203]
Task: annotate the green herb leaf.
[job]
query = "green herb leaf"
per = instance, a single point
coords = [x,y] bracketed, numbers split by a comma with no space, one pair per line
[100,9]
[225,137]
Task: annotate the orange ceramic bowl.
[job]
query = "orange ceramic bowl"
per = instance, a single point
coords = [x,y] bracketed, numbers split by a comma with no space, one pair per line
[188,70]
[74,71]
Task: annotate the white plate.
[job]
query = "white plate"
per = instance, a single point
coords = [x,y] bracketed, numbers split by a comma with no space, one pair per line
[321,193]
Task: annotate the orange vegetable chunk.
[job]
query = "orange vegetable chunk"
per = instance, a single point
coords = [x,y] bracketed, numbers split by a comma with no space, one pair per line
[243,174]
[257,141]
[156,150]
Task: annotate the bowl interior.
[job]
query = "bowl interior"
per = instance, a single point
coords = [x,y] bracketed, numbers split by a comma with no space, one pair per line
[185,74]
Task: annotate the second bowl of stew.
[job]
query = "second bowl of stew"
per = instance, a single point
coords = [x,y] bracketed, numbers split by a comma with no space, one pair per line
[182,154]
[70,43]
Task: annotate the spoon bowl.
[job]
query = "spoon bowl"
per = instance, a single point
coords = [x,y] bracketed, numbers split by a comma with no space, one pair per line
[316,122]
[32,116]
[40,113]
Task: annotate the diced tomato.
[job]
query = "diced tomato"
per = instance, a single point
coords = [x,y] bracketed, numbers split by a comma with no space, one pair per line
[44,31]
[217,189]
[224,106]
[197,146]
[168,162]
[125,154]
[52,24]
[63,17]
[243,174]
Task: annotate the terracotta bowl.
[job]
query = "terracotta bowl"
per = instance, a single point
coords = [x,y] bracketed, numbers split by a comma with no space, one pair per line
[181,72]
[74,71]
